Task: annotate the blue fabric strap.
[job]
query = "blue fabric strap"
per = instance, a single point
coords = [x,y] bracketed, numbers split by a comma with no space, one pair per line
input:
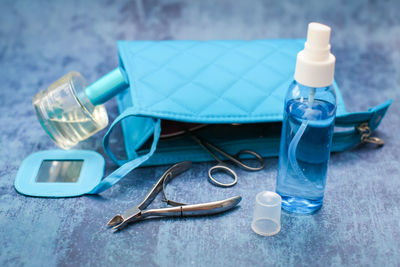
[127,166]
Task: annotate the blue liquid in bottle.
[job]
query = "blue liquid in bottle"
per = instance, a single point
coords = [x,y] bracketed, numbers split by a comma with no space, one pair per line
[305,147]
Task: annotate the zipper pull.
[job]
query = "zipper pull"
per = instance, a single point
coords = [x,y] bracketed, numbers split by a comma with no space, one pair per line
[366,137]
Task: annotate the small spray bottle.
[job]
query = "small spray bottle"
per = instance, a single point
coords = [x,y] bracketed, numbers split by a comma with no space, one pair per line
[69,111]
[307,130]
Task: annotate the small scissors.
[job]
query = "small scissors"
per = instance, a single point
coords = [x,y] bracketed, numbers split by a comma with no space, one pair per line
[138,213]
[221,166]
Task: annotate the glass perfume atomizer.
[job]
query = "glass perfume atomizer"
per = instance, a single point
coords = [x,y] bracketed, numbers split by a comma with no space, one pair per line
[69,111]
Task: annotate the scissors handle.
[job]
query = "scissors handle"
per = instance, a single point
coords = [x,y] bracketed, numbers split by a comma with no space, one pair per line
[255,155]
[224,169]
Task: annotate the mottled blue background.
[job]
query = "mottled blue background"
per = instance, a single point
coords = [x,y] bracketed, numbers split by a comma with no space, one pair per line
[359,223]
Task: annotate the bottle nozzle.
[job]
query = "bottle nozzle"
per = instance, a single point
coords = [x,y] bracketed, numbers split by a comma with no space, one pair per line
[315,64]
[318,35]
[317,47]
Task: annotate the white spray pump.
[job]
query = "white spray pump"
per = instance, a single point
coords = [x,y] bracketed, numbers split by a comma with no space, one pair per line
[315,65]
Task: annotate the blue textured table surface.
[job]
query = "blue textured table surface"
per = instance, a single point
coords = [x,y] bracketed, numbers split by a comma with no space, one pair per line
[359,223]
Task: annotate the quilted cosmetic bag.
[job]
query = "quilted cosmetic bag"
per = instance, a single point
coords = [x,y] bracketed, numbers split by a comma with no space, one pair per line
[232,91]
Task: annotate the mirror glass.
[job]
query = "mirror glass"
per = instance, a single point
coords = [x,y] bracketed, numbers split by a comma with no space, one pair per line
[59,171]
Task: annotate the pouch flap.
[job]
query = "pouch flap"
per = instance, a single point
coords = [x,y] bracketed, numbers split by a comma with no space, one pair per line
[211,81]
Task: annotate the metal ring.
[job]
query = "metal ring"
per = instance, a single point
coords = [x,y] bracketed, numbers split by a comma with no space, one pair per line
[373,140]
[225,169]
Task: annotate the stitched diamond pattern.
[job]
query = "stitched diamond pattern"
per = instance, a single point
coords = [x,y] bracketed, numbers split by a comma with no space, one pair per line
[212,81]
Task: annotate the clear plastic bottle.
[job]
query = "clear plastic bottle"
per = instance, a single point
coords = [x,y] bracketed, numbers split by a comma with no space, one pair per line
[305,147]
[307,129]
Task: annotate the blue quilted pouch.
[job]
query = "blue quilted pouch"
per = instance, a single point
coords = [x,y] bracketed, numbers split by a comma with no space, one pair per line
[237,86]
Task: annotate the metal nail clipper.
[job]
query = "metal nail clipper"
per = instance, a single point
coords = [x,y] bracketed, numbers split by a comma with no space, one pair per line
[138,213]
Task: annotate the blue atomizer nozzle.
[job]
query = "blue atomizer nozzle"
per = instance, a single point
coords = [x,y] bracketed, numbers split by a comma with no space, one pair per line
[69,111]
[107,87]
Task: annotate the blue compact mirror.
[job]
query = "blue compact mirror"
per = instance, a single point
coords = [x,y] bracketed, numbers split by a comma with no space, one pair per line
[60,173]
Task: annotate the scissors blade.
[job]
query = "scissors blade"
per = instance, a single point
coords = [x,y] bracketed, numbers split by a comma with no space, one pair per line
[205,145]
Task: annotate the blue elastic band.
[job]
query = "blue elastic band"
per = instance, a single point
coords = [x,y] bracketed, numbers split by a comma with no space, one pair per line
[127,166]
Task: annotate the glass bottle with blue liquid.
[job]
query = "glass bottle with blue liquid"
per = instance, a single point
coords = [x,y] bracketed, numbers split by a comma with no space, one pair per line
[307,129]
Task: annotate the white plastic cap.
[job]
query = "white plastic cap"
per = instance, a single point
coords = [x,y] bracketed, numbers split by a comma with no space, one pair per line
[315,65]
[267,214]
